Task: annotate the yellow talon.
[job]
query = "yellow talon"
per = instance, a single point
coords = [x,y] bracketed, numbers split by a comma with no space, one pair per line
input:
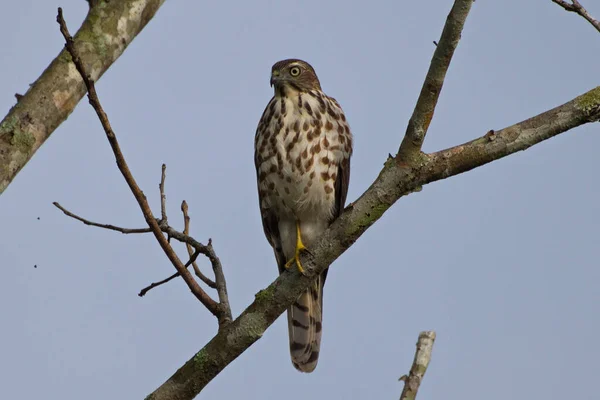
[299,247]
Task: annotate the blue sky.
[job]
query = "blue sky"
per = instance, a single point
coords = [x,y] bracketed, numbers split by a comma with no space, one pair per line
[502,262]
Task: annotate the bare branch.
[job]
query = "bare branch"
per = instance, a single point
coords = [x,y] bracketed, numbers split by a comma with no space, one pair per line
[413,380]
[219,284]
[576,7]
[105,226]
[54,95]
[214,307]
[219,280]
[151,286]
[190,249]
[170,231]
[432,87]
[163,198]
[145,290]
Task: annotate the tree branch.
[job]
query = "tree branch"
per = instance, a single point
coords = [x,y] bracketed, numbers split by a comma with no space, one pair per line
[190,249]
[105,226]
[576,7]
[432,87]
[215,308]
[54,95]
[163,198]
[413,380]
[395,181]
[192,260]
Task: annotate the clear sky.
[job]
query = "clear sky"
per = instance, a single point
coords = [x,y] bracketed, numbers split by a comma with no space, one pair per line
[502,261]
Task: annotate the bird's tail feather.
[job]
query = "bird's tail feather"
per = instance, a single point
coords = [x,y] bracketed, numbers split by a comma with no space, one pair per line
[304,324]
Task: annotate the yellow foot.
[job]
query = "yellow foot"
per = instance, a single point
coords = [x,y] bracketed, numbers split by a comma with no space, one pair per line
[299,247]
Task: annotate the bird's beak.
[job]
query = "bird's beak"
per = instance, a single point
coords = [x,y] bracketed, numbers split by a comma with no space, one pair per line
[275,77]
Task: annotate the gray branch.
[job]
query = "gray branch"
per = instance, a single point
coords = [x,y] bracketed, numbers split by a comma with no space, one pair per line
[576,7]
[413,380]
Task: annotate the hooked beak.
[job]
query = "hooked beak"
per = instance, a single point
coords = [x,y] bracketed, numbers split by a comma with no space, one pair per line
[275,78]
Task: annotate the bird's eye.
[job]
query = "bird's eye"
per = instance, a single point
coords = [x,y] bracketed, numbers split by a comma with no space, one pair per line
[294,71]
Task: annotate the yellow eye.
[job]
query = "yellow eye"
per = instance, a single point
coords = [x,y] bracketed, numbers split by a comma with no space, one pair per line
[294,71]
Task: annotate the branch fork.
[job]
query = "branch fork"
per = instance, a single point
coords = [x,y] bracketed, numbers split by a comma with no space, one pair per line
[221,309]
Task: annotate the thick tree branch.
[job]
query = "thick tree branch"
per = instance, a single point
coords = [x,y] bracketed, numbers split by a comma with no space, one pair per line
[432,87]
[413,380]
[54,95]
[223,315]
[576,7]
[395,181]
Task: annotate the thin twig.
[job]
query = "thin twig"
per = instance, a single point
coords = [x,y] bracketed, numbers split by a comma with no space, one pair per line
[170,231]
[219,280]
[422,115]
[105,226]
[194,287]
[145,290]
[190,249]
[163,198]
[576,7]
[413,380]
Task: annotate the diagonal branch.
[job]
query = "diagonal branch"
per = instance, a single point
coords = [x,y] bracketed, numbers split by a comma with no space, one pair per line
[432,87]
[413,380]
[395,181]
[192,260]
[576,7]
[214,307]
[53,96]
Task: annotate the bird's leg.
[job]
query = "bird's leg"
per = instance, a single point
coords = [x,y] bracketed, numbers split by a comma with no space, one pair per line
[299,247]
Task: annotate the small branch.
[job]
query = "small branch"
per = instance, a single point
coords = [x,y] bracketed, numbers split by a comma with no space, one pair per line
[413,380]
[220,281]
[105,226]
[163,198]
[190,249]
[214,307]
[209,252]
[145,290]
[430,92]
[219,284]
[170,231]
[576,7]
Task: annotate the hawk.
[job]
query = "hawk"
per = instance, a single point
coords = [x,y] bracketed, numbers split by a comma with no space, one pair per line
[302,155]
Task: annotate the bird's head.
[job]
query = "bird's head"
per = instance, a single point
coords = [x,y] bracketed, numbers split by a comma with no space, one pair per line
[294,74]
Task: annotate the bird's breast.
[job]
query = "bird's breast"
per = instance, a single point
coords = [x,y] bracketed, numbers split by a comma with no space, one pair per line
[299,147]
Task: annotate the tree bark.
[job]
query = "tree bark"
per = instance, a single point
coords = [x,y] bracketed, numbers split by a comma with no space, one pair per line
[105,33]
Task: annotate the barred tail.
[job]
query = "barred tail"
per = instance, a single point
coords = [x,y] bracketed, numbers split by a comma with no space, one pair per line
[304,325]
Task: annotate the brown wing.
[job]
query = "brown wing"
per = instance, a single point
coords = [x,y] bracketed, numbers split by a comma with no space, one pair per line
[270,221]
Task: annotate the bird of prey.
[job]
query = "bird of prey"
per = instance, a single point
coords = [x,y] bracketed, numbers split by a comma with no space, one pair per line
[302,155]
